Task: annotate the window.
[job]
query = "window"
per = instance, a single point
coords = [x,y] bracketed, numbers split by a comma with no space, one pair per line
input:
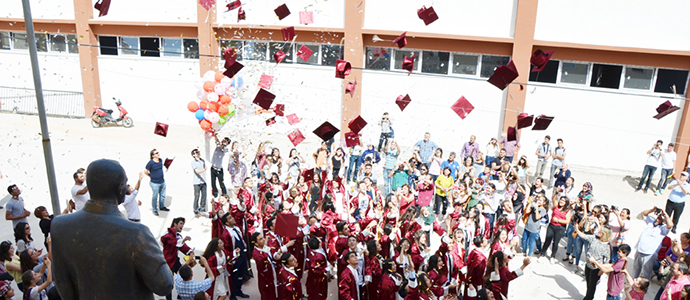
[172,47]
[490,63]
[465,64]
[378,58]
[255,51]
[72,43]
[313,59]
[400,57]
[285,47]
[191,48]
[129,45]
[150,46]
[606,76]
[435,62]
[58,43]
[548,74]
[5,41]
[19,40]
[574,73]
[666,79]
[330,53]
[108,45]
[224,44]
[41,42]
[638,78]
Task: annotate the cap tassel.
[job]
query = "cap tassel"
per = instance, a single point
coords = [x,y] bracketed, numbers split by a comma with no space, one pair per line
[376,38]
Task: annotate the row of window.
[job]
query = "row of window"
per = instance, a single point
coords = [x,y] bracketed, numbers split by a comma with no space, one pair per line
[323,54]
[149,46]
[45,42]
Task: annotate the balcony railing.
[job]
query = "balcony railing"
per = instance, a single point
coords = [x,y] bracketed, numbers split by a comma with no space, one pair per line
[57,103]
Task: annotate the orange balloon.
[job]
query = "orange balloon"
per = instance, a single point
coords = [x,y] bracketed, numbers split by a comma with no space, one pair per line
[219,76]
[205,125]
[209,86]
[225,99]
[212,106]
[193,106]
[203,104]
[223,110]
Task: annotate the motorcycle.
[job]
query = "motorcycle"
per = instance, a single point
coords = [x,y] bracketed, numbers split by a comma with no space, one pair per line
[103,116]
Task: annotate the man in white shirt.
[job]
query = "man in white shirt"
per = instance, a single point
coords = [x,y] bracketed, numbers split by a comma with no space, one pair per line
[131,203]
[654,156]
[491,200]
[543,154]
[668,160]
[80,192]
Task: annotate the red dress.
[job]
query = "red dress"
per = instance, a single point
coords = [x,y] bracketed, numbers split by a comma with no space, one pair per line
[347,286]
[266,272]
[317,276]
[289,286]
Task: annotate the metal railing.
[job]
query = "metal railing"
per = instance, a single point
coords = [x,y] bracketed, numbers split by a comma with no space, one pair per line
[58,103]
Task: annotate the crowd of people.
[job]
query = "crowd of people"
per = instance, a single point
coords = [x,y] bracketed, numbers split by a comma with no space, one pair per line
[329,217]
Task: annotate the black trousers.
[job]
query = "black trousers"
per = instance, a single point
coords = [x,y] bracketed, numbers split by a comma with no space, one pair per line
[554,234]
[239,270]
[591,277]
[217,173]
[439,201]
[674,210]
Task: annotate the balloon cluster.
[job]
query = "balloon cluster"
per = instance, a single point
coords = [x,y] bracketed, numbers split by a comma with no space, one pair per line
[216,93]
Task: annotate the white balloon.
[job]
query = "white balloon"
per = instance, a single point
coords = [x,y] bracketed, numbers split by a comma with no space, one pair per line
[210,76]
[220,89]
[201,94]
[216,126]
[213,117]
[227,81]
[199,84]
[207,115]
[212,96]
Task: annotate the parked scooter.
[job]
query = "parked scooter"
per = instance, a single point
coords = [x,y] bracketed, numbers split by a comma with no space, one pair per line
[103,116]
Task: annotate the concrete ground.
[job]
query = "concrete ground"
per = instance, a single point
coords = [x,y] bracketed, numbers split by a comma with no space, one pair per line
[75,144]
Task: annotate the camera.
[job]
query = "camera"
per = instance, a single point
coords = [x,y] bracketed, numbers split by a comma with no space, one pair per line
[613,207]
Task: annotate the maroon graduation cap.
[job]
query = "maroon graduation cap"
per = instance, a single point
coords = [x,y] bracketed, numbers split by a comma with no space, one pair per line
[161,129]
[279,109]
[542,122]
[539,59]
[264,99]
[278,56]
[664,109]
[351,139]
[524,120]
[233,69]
[230,56]
[207,4]
[102,6]
[304,53]
[357,124]
[288,33]
[428,15]
[350,88]
[233,4]
[326,131]
[308,175]
[282,12]
[167,162]
[241,15]
[403,101]
[306,17]
[512,134]
[342,68]
[266,81]
[270,121]
[408,64]
[286,225]
[292,119]
[462,107]
[504,75]
[296,137]
[401,40]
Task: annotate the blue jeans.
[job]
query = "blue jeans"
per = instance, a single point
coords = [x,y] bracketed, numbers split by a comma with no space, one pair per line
[158,194]
[353,167]
[488,160]
[509,158]
[614,254]
[528,240]
[387,181]
[579,245]
[571,240]
[618,297]
[491,218]
[664,180]
[648,173]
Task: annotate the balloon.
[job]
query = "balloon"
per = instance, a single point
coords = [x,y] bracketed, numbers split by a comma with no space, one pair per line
[199,114]
[212,106]
[213,117]
[201,94]
[238,82]
[222,120]
[225,99]
[205,125]
[199,84]
[209,85]
[220,89]
[231,110]
[232,92]
[223,110]
[203,104]
[226,81]
[192,106]
[215,127]
[219,76]
[212,96]
[209,75]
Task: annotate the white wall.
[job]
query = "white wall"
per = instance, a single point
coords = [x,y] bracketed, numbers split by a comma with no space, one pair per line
[490,18]
[328,14]
[624,23]
[40,9]
[605,130]
[58,71]
[179,11]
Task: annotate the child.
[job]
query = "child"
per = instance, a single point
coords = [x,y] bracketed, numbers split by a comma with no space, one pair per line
[30,278]
[639,287]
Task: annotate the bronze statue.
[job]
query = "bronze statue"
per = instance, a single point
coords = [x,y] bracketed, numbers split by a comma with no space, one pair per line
[98,253]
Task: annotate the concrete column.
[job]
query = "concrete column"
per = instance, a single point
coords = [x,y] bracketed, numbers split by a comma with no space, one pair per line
[208,44]
[683,137]
[354,53]
[88,56]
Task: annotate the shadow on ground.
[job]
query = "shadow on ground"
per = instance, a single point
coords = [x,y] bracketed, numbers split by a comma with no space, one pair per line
[564,284]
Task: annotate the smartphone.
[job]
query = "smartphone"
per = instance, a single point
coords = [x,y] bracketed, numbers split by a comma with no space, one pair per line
[197,257]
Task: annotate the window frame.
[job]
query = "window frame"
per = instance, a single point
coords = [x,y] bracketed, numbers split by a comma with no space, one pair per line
[652,84]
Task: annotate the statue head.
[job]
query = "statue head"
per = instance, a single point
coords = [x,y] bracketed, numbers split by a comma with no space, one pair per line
[107,181]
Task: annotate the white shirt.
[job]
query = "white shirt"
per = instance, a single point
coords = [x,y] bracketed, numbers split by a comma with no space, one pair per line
[654,158]
[132,206]
[669,159]
[79,200]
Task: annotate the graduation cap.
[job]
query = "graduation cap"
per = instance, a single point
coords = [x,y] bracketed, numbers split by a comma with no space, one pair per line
[408,64]
[230,56]
[288,33]
[308,175]
[357,124]
[292,119]
[296,137]
[304,53]
[403,101]
[241,15]
[462,107]
[326,131]
[266,81]
[167,162]
[524,120]
[286,225]
[504,75]
[282,12]
[539,59]
[270,121]
[207,4]
[665,109]
[542,122]
[278,56]
[102,6]
[401,40]
[279,109]
[512,134]
[233,4]
[351,139]
[342,68]
[264,99]
[306,17]
[350,89]
[233,69]
[428,15]
[161,129]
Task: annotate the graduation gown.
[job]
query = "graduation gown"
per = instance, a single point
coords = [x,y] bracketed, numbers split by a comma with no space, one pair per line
[289,286]
[171,245]
[476,268]
[347,285]
[266,272]
[500,281]
[317,277]
[372,273]
[388,287]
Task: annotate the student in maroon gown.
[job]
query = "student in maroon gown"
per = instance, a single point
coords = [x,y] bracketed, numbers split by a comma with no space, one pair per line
[501,276]
[476,266]
[289,286]
[349,281]
[372,270]
[319,271]
[265,257]
[390,280]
